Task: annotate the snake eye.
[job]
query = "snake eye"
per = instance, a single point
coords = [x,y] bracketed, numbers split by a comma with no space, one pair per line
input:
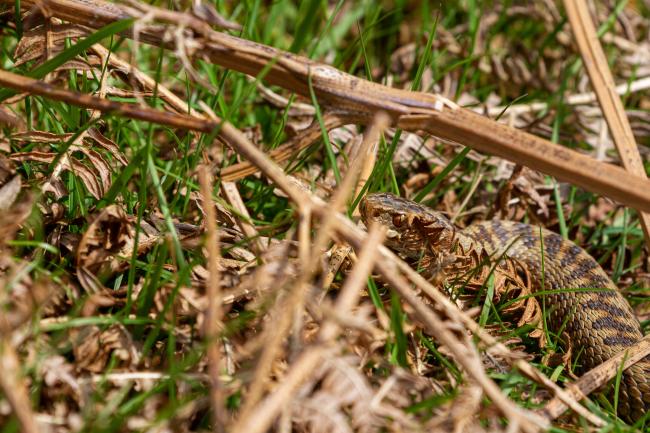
[398,220]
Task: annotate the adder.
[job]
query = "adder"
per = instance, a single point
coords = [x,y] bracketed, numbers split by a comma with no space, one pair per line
[598,322]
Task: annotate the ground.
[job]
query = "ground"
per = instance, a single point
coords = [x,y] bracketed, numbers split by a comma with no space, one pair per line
[149,275]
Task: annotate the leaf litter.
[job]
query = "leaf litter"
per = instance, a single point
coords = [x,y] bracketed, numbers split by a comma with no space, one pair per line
[98,318]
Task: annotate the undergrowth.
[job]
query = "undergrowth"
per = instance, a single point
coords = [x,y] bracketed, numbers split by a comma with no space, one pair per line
[103,265]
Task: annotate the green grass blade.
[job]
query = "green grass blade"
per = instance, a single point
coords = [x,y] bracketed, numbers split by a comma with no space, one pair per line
[436,180]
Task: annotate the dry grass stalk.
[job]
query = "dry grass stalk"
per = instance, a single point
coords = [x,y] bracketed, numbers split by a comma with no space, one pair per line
[236,136]
[337,255]
[120,378]
[412,110]
[463,126]
[231,194]
[367,151]
[239,142]
[605,88]
[269,408]
[145,81]
[213,315]
[14,388]
[311,256]
[599,376]
[575,99]
[274,334]
[301,141]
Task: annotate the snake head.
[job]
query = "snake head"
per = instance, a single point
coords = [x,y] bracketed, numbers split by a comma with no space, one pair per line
[412,228]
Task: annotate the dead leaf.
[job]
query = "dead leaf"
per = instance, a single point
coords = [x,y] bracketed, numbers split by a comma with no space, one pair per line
[9,192]
[92,347]
[32,45]
[110,146]
[87,174]
[102,246]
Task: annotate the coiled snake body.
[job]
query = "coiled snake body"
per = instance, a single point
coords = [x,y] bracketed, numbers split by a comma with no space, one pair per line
[598,323]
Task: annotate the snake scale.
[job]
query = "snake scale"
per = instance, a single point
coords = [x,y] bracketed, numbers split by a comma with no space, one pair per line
[598,323]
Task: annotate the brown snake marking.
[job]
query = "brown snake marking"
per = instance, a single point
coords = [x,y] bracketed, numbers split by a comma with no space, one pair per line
[598,323]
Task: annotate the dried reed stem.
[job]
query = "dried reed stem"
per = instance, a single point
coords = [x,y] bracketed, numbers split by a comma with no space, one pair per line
[212,326]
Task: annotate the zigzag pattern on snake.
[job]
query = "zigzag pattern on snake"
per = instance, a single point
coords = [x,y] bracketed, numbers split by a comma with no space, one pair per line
[599,322]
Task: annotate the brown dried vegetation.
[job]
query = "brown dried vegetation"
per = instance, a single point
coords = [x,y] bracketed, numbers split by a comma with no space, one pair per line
[174,299]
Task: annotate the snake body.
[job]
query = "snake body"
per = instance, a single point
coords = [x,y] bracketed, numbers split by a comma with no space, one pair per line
[598,323]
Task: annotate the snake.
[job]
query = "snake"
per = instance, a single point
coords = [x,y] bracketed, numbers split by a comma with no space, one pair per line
[583,303]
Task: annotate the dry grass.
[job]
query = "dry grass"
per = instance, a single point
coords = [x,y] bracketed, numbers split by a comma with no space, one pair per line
[145,289]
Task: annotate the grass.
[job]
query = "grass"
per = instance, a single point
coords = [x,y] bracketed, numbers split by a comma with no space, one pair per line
[150,311]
